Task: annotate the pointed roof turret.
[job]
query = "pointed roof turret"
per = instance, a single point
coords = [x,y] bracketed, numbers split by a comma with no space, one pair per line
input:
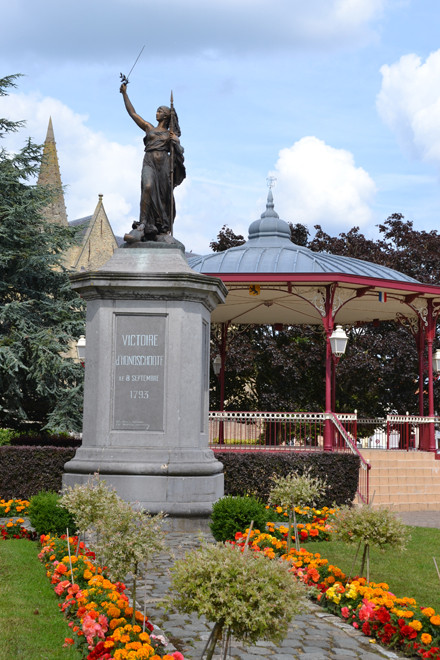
[50,176]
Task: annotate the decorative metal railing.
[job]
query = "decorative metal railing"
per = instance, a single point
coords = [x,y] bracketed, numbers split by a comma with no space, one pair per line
[404,432]
[273,431]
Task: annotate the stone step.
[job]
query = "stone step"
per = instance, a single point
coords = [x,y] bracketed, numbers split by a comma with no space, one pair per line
[404,480]
[433,489]
[408,505]
[396,454]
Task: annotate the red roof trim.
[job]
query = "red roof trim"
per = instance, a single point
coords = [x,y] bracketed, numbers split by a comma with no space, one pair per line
[328,278]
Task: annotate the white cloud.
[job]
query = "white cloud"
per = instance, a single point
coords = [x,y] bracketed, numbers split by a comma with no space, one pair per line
[409,103]
[174,26]
[90,164]
[318,184]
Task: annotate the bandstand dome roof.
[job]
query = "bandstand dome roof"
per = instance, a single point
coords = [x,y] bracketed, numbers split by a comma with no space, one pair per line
[272,280]
[270,250]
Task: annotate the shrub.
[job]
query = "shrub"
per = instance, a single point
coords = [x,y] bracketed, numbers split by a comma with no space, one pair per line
[372,527]
[251,472]
[90,503]
[6,435]
[243,593]
[234,513]
[295,490]
[48,516]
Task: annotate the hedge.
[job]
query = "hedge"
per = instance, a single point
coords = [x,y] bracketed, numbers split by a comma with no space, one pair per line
[45,440]
[25,471]
[249,473]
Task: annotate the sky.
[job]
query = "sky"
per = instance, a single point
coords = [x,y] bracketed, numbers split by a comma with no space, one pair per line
[338,100]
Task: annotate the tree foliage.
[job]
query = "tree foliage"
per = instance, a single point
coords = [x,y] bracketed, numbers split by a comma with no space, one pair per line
[40,315]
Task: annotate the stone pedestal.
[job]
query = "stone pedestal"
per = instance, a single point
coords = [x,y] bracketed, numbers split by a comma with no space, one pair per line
[147,380]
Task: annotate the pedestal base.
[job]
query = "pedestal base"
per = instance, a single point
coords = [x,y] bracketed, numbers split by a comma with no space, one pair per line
[178,497]
[146,385]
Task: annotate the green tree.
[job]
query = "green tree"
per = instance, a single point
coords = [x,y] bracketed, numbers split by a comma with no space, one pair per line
[40,315]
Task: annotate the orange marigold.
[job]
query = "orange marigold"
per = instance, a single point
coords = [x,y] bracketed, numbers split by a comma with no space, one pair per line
[435,620]
[426,638]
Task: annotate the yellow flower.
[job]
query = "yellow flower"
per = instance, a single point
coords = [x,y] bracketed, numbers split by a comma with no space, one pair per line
[428,611]
[417,625]
[426,638]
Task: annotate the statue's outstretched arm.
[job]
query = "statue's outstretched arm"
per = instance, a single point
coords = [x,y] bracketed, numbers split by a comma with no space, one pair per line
[144,125]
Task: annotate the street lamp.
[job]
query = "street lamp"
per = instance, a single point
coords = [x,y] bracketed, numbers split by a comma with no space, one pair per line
[217,365]
[338,341]
[436,361]
[81,349]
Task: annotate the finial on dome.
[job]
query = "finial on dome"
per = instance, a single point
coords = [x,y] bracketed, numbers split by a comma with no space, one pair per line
[270,210]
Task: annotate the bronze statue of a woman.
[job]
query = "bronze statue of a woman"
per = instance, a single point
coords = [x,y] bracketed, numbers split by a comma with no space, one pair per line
[162,170]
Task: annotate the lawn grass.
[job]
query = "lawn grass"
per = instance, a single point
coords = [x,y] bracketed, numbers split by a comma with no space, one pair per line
[31,625]
[409,573]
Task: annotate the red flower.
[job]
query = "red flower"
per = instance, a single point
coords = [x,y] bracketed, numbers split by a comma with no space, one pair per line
[366,628]
[382,615]
[409,632]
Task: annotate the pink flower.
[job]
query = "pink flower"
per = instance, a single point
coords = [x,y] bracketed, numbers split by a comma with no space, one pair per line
[93,629]
[355,625]
[61,586]
[366,610]
[345,612]
[177,655]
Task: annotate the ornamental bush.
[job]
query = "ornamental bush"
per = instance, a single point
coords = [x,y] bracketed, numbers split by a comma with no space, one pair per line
[377,527]
[372,527]
[243,593]
[90,503]
[296,490]
[233,514]
[48,516]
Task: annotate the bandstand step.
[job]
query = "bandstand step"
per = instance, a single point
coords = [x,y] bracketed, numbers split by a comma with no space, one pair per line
[404,481]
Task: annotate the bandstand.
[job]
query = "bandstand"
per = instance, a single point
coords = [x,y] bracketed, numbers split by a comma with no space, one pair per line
[270,280]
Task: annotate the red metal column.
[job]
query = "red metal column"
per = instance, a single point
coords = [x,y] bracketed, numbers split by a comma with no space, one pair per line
[430,333]
[328,327]
[420,341]
[224,336]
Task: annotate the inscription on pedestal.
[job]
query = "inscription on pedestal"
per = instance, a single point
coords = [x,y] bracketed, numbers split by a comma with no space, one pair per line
[138,372]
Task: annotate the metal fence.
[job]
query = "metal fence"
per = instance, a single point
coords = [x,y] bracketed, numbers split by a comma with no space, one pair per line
[273,431]
[278,432]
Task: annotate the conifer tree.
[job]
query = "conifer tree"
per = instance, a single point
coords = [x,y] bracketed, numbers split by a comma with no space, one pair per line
[41,317]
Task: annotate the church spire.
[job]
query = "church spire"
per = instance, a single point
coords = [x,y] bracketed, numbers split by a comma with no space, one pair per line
[50,176]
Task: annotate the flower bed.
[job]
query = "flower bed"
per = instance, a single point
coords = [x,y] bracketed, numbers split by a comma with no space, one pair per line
[313,524]
[372,608]
[13,508]
[13,529]
[98,610]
